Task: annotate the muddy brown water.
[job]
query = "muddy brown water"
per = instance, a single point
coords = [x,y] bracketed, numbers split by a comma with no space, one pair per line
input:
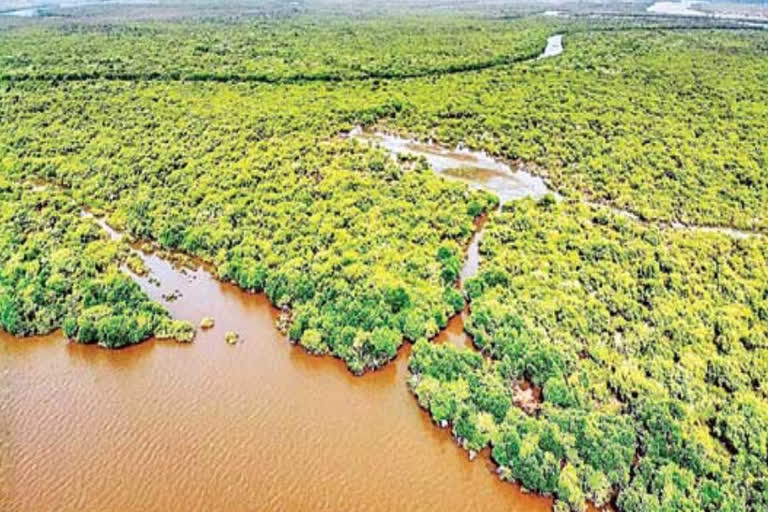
[260,425]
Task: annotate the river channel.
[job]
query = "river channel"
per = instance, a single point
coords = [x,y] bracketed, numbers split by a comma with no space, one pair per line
[260,425]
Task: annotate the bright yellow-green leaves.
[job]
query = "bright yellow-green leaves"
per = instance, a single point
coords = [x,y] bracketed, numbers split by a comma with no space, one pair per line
[60,270]
[650,348]
[223,141]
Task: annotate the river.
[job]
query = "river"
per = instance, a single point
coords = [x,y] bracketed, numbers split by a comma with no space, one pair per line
[260,425]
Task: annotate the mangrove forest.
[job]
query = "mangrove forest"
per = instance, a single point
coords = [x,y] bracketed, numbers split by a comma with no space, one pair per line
[584,189]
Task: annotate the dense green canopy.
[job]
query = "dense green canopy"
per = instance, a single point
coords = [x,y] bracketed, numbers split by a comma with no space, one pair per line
[224,141]
[61,270]
[650,348]
[671,125]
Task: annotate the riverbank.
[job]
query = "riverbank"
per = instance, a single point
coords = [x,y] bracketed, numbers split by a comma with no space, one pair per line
[206,414]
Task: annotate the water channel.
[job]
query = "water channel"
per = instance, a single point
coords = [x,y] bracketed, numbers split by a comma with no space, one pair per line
[260,425]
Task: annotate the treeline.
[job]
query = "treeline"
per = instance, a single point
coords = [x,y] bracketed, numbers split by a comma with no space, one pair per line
[649,348]
[60,270]
[280,51]
[269,78]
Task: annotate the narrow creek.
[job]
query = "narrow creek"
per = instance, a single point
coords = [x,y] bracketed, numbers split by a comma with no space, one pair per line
[479,171]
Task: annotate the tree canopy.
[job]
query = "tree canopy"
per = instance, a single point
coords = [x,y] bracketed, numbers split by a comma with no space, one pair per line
[649,347]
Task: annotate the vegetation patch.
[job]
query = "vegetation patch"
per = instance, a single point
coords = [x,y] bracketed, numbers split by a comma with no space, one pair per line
[288,50]
[60,270]
[254,180]
[618,362]
[650,349]
[670,125]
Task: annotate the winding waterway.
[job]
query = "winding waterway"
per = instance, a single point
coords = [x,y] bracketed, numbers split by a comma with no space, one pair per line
[257,426]
[476,169]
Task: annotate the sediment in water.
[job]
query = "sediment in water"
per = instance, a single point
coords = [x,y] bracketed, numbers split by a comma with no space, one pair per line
[232,424]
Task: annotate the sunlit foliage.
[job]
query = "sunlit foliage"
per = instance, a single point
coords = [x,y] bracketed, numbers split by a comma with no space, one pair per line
[295,49]
[254,179]
[670,125]
[650,348]
[224,141]
[61,270]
